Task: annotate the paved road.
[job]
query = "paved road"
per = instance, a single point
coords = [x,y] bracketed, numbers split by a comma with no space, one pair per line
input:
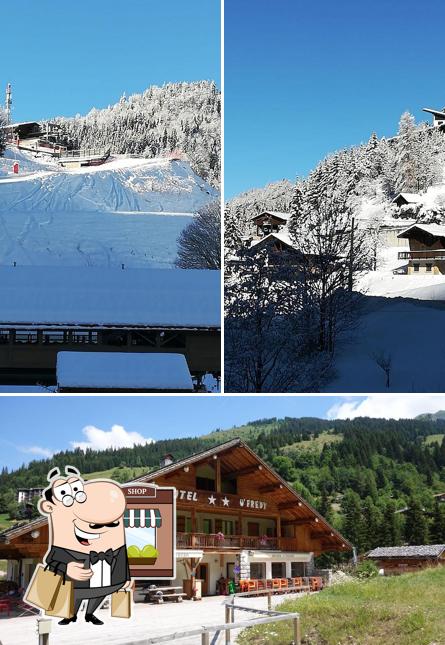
[147,621]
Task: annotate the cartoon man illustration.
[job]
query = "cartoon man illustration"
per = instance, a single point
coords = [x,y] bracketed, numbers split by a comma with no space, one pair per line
[86,537]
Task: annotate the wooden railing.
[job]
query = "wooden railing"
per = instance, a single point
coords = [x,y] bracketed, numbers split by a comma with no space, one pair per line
[438,254]
[217,540]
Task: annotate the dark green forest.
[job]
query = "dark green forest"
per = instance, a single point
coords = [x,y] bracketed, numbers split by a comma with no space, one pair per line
[374,479]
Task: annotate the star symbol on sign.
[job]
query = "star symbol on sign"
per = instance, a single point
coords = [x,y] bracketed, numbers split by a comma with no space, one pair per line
[212,500]
[225,501]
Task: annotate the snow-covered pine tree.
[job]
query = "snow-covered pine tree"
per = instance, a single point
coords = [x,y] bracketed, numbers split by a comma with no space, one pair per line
[407,156]
[199,244]
[161,120]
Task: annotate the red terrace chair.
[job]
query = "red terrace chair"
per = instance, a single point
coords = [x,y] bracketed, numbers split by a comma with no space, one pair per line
[268,583]
[316,583]
[298,582]
[243,585]
[284,584]
[276,584]
[261,585]
[253,585]
[5,605]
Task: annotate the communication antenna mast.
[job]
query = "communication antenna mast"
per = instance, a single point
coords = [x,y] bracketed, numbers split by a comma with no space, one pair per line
[8,103]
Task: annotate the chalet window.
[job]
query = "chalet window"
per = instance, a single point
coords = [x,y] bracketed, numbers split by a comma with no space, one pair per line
[227,527]
[54,337]
[204,483]
[224,526]
[84,337]
[416,268]
[257,570]
[229,486]
[183,524]
[278,570]
[429,267]
[180,524]
[253,529]
[4,336]
[205,477]
[146,338]
[297,569]
[207,526]
[26,337]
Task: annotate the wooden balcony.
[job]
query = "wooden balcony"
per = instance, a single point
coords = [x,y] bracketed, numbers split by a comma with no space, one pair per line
[221,542]
[438,254]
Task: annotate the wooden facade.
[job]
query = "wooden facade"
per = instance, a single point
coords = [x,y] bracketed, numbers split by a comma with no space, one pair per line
[235,518]
[426,249]
[28,354]
[269,222]
[398,560]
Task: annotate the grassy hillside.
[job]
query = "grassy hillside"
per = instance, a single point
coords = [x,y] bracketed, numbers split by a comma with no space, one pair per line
[246,432]
[403,610]
[316,443]
[434,438]
[120,474]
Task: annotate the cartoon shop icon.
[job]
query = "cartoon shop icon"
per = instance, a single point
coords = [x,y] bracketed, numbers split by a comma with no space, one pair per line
[87,555]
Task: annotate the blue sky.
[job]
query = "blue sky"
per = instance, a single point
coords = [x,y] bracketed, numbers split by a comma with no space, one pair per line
[306,78]
[33,427]
[64,58]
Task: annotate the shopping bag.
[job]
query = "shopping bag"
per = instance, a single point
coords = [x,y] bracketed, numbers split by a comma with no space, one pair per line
[43,588]
[121,604]
[64,601]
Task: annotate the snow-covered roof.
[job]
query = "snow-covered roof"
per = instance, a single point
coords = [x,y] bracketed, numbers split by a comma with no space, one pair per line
[282,237]
[411,198]
[439,113]
[433,229]
[119,370]
[78,296]
[284,216]
[422,551]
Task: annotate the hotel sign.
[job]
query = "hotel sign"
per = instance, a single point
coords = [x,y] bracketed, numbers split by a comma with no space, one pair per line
[220,500]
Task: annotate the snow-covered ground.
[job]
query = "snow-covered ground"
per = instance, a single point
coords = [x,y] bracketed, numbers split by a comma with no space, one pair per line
[407,332]
[403,321]
[128,211]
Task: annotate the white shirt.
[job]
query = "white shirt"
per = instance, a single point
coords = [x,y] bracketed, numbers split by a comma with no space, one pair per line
[101,574]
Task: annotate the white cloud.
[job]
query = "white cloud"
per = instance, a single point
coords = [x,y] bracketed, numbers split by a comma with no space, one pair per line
[387,406]
[37,450]
[117,437]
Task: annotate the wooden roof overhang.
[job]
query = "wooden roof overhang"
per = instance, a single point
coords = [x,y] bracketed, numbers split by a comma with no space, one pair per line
[414,231]
[282,218]
[18,542]
[238,460]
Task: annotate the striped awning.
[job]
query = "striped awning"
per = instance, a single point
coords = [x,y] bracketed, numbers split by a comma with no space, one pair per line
[142,518]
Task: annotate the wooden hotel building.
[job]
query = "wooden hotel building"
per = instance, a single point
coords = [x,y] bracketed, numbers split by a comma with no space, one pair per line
[236,518]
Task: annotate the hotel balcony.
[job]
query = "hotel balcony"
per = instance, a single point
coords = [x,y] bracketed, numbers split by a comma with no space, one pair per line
[437,254]
[222,542]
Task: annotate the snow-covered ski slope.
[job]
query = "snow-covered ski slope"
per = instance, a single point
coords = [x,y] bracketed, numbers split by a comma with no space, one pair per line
[128,211]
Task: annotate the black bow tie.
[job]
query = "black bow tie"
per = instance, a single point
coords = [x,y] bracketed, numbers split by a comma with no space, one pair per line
[107,556]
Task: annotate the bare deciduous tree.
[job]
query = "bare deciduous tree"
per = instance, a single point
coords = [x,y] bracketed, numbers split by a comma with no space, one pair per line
[384,361]
[3,122]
